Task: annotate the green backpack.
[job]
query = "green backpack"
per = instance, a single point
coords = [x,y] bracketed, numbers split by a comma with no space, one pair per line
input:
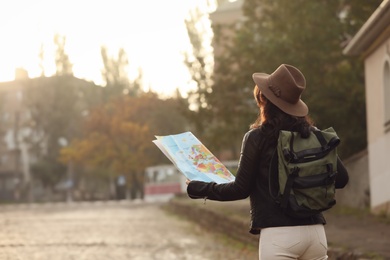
[303,171]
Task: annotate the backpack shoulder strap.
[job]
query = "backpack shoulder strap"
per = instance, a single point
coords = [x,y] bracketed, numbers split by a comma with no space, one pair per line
[273,175]
[287,189]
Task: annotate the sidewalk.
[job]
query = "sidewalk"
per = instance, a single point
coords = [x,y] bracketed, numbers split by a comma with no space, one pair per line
[352,234]
[359,232]
[106,230]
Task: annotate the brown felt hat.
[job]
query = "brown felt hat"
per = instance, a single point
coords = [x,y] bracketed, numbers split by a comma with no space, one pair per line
[284,88]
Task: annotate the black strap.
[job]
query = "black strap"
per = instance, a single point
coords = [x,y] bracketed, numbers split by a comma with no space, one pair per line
[273,175]
[317,133]
[333,142]
[292,142]
[320,138]
[287,188]
[320,179]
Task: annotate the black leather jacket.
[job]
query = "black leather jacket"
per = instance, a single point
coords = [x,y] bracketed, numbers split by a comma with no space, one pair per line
[252,180]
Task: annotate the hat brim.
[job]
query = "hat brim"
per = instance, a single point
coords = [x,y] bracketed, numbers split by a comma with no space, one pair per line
[298,109]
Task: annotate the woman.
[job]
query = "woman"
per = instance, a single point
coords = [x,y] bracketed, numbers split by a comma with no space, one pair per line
[278,96]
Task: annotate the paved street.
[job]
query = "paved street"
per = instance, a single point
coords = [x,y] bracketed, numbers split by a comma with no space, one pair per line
[106,230]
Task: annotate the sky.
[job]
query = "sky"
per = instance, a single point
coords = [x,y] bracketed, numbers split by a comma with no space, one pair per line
[152,32]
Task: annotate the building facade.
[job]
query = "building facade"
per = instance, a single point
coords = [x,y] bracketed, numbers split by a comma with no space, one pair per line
[226,17]
[21,142]
[372,42]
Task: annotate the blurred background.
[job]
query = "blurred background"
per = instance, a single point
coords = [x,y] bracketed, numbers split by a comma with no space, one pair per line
[86,85]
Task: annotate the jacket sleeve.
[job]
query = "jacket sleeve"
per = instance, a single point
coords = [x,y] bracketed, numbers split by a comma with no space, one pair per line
[241,187]
[342,176]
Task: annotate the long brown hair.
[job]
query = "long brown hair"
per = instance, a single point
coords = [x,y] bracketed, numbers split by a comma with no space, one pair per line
[272,119]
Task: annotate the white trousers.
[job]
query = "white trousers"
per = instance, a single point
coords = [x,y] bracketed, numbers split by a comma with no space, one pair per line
[293,242]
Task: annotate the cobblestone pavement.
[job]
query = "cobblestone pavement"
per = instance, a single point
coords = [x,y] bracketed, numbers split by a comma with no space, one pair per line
[107,230]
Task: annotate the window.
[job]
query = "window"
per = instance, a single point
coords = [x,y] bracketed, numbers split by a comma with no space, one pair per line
[386,83]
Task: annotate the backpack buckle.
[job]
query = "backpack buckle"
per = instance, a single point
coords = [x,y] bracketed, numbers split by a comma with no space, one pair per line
[294,171]
[287,155]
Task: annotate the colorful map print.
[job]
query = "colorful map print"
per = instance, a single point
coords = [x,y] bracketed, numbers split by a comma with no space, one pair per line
[207,163]
[192,158]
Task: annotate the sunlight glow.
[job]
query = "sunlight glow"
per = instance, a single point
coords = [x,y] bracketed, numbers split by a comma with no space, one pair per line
[152,32]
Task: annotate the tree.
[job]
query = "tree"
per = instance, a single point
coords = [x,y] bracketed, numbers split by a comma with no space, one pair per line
[56,107]
[309,35]
[115,75]
[63,64]
[199,61]
[41,57]
[118,137]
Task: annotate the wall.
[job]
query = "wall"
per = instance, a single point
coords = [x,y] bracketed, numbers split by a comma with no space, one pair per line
[378,135]
[357,192]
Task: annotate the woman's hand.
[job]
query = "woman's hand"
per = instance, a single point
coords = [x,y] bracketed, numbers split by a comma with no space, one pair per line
[187,181]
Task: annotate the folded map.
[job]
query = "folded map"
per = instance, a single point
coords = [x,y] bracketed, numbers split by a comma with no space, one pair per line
[192,158]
